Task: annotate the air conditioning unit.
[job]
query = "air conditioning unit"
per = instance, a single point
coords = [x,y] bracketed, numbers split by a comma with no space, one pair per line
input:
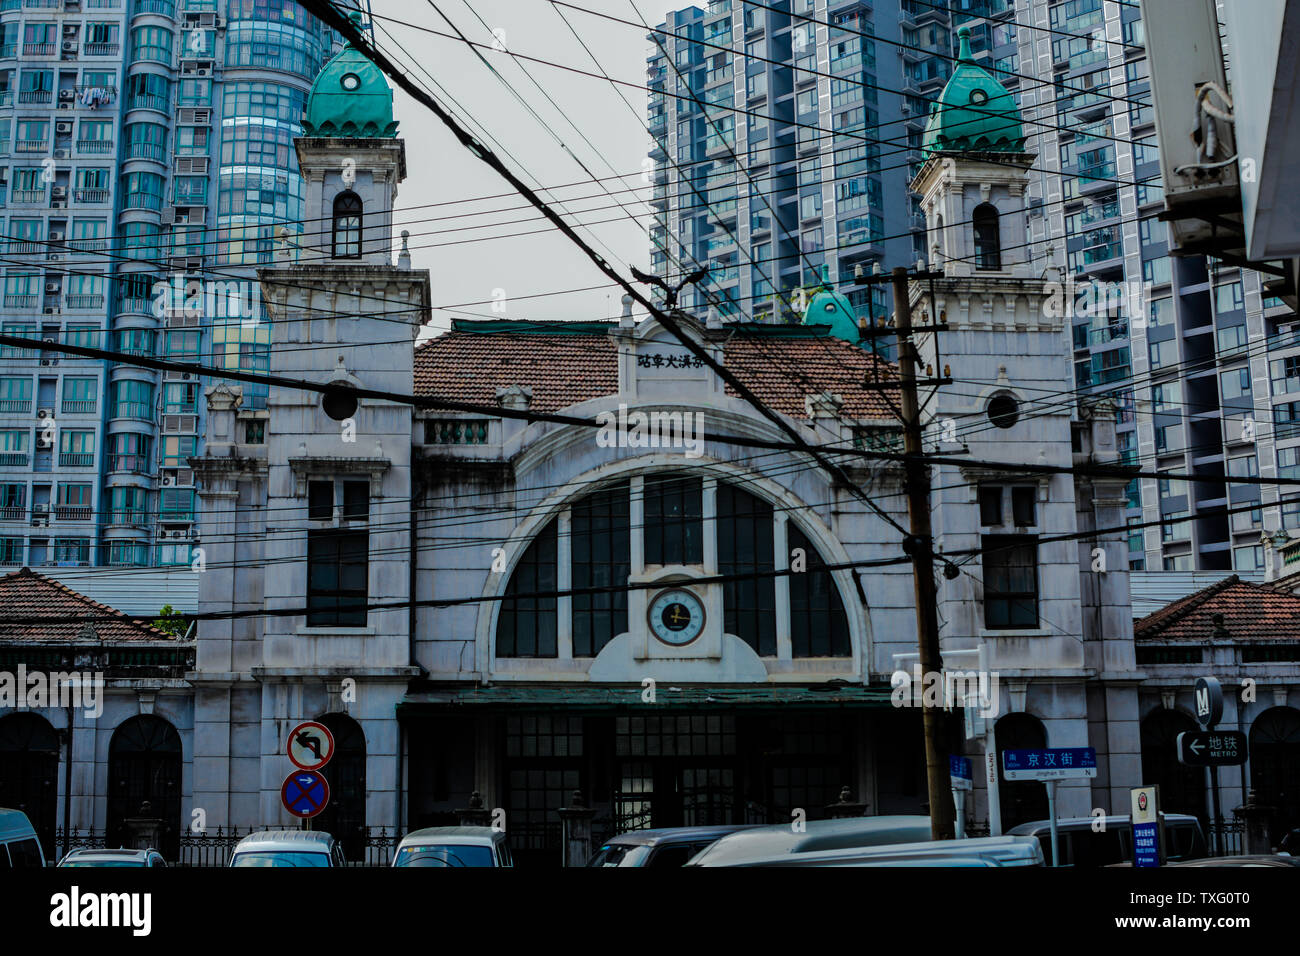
[59,192]
[47,361]
[69,29]
[63,127]
[51,287]
[53,310]
[63,152]
[44,413]
[59,204]
[69,46]
[56,235]
[168,481]
[44,441]
[68,95]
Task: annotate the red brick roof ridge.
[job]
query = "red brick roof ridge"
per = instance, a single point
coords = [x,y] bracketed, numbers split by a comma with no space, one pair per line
[77,596]
[1176,611]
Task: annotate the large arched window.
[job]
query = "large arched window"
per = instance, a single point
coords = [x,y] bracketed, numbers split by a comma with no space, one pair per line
[29,773]
[345,814]
[590,545]
[347,225]
[144,766]
[988,243]
[1275,766]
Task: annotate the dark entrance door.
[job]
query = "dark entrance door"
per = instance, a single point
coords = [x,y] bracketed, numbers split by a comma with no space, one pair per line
[144,766]
[1275,766]
[29,773]
[345,815]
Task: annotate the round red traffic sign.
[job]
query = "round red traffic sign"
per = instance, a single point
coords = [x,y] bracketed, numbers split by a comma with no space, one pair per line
[305,793]
[311,745]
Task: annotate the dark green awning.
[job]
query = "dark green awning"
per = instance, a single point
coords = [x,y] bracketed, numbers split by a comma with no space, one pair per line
[606,697]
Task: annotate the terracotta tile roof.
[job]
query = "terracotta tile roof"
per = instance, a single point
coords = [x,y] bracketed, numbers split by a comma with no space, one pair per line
[26,594]
[1250,612]
[568,363]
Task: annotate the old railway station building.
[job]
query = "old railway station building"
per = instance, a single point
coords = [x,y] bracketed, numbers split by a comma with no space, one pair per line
[660,613]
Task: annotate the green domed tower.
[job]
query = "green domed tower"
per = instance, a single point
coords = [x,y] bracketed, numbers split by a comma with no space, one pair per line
[829,307]
[974,113]
[351,98]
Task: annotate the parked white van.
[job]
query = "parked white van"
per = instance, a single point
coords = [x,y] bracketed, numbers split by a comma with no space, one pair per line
[19,845]
[999,851]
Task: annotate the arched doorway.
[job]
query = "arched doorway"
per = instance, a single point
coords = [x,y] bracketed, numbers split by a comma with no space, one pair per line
[1275,766]
[1182,789]
[345,815]
[144,765]
[29,773]
[1022,801]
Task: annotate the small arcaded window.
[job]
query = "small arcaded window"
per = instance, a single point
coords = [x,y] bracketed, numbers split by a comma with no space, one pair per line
[988,244]
[347,226]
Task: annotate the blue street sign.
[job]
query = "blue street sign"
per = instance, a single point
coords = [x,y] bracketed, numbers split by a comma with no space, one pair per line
[1146,844]
[1049,764]
[959,767]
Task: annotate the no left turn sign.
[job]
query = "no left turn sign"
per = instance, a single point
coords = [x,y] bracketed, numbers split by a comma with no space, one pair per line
[311,745]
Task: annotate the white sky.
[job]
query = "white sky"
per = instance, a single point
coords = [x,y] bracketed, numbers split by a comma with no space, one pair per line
[439,170]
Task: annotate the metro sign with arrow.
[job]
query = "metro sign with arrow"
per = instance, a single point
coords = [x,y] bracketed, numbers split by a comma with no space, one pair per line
[1212,748]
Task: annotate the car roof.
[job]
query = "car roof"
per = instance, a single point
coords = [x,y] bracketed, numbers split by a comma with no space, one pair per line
[14,823]
[1079,823]
[121,853]
[307,841]
[758,842]
[977,851]
[675,835]
[453,835]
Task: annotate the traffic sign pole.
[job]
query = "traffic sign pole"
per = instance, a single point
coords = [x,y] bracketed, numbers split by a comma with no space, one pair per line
[1051,811]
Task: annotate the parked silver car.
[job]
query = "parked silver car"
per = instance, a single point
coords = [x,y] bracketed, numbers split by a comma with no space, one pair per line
[287,848]
[119,857]
[453,846]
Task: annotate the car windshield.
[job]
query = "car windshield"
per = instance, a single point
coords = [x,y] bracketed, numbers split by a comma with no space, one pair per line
[281,858]
[618,854]
[104,863]
[445,855]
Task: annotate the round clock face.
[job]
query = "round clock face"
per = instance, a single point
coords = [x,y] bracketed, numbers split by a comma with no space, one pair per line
[350,81]
[676,616]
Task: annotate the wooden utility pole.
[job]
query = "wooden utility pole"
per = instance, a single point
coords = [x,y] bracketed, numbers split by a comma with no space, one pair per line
[921,548]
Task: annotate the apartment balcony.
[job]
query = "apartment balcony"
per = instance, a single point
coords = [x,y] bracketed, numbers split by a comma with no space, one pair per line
[13,459]
[79,406]
[13,513]
[92,197]
[129,519]
[8,50]
[76,459]
[28,196]
[20,301]
[84,301]
[148,101]
[165,8]
[39,49]
[101,49]
[95,147]
[35,96]
[72,512]
[31,145]
[87,245]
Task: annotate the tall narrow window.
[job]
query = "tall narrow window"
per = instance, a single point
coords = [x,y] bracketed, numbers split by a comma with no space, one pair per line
[818,625]
[527,624]
[347,226]
[337,578]
[988,245]
[1010,581]
[602,557]
[674,520]
[745,547]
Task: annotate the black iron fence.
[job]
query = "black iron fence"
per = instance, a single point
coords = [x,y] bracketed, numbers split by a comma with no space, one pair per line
[374,847]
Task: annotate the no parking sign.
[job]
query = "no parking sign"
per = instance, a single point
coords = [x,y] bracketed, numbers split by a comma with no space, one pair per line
[305,793]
